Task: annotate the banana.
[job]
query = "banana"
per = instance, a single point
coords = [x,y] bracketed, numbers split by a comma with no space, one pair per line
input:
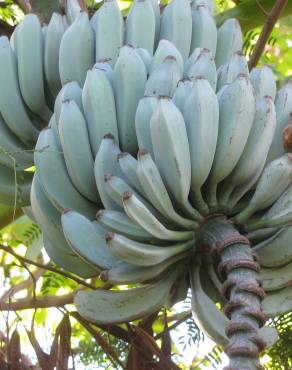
[11,104]
[87,240]
[109,29]
[104,66]
[164,79]
[143,254]
[72,10]
[203,66]
[70,91]
[236,115]
[156,192]
[54,178]
[201,115]
[53,125]
[105,162]
[76,51]
[156,9]
[143,116]
[204,30]
[164,49]
[128,165]
[125,273]
[263,82]
[236,65]
[275,178]
[140,214]
[99,108]
[278,303]
[30,55]
[171,152]
[93,21]
[146,57]
[120,223]
[55,31]
[176,25]
[275,251]
[14,187]
[76,148]
[276,278]
[256,149]
[140,18]
[229,41]
[192,59]
[108,306]
[183,90]
[208,3]
[13,153]
[283,105]
[129,84]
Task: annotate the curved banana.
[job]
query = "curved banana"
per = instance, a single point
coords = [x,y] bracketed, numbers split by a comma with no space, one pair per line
[140,214]
[140,18]
[87,239]
[76,148]
[229,41]
[156,10]
[30,58]
[256,149]
[76,50]
[145,109]
[72,10]
[120,223]
[164,49]
[204,30]
[236,115]
[156,192]
[263,82]
[11,104]
[54,178]
[183,90]
[129,84]
[53,125]
[146,57]
[108,307]
[109,31]
[176,25]
[70,91]
[104,66]
[55,31]
[128,165]
[99,108]
[143,254]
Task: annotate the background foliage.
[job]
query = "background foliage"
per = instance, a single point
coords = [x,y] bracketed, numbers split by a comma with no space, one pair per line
[45,337]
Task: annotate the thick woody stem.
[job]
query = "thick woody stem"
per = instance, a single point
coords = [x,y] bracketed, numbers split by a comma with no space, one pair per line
[242,287]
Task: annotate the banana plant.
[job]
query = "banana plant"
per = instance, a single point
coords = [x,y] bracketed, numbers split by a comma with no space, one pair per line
[162,166]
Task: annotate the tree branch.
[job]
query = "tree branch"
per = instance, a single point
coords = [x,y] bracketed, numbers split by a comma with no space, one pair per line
[272,18]
[38,302]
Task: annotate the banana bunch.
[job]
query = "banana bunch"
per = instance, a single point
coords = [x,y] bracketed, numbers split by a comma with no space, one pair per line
[155,125]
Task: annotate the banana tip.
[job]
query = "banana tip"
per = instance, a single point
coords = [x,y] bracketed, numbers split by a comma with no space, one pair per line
[142,152]
[107,177]
[104,275]
[109,237]
[127,195]
[99,213]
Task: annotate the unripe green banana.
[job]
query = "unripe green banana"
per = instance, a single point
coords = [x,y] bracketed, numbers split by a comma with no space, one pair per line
[236,65]
[54,178]
[209,3]
[164,49]
[30,57]
[55,31]
[141,254]
[99,108]
[256,148]
[129,84]
[176,25]
[77,151]
[76,51]
[129,167]
[183,90]
[263,82]
[143,116]
[120,223]
[278,303]
[72,10]
[283,104]
[109,30]
[87,239]
[140,25]
[53,125]
[229,41]
[11,104]
[192,59]
[276,278]
[104,66]
[163,80]
[236,115]
[204,30]
[70,91]
[156,10]
[146,57]
[201,115]
[276,177]
[203,66]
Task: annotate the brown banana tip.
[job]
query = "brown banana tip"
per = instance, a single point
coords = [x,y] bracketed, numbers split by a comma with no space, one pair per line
[127,195]
[142,152]
[122,155]
[268,97]
[164,97]
[108,237]
[109,136]
[200,77]
[287,137]
[107,177]
[170,57]
[205,50]
[130,46]
[184,79]
[99,213]
[66,210]
[104,275]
